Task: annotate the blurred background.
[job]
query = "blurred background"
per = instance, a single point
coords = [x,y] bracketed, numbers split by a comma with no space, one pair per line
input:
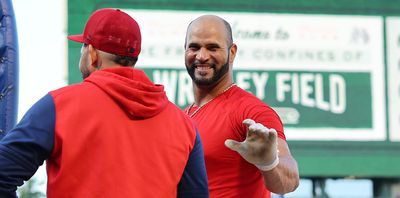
[331,69]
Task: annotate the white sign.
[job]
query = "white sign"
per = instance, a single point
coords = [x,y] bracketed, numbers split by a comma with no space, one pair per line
[393,52]
[284,42]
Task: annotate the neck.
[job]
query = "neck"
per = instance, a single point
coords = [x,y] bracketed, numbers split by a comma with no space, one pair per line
[203,94]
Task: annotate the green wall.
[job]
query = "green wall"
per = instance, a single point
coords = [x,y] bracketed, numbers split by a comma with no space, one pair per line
[364,159]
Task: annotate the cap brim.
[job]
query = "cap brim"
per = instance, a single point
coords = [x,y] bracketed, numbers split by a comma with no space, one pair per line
[76,38]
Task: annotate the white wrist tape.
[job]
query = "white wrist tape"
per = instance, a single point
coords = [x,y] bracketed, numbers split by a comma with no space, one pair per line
[269,166]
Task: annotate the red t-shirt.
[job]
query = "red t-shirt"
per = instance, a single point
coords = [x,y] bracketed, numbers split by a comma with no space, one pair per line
[229,175]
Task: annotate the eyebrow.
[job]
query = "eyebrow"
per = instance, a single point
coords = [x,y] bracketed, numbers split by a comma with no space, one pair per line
[213,45]
[193,45]
[208,45]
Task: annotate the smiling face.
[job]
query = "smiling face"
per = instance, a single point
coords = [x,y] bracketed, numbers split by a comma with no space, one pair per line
[208,51]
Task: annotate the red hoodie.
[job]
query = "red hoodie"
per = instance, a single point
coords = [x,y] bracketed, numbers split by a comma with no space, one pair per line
[117,135]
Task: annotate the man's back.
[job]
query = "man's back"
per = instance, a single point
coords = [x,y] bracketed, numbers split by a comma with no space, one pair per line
[117,135]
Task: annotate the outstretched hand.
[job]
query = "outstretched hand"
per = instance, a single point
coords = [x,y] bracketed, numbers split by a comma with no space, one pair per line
[260,146]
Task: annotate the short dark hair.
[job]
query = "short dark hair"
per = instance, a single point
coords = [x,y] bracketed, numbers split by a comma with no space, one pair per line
[228,32]
[125,60]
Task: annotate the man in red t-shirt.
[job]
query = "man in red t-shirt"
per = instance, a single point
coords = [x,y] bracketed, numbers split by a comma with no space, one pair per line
[245,148]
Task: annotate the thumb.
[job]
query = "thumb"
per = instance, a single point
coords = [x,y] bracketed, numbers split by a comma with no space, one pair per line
[233,145]
[248,122]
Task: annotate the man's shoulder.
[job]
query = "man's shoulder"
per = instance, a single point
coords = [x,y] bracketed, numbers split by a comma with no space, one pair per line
[244,101]
[70,89]
[175,111]
[240,95]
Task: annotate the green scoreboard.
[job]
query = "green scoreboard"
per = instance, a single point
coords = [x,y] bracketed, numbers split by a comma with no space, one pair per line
[330,68]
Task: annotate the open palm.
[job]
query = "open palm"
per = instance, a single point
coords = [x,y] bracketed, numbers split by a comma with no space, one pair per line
[259,147]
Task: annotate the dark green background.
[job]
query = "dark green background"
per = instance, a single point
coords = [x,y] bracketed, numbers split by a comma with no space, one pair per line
[358,96]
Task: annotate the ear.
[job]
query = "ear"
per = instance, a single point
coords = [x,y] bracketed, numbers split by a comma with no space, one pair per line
[232,53]
[94,58]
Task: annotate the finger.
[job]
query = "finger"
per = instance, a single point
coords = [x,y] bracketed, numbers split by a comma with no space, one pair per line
[248,122]
[258,127]
[233,145]
[272,134]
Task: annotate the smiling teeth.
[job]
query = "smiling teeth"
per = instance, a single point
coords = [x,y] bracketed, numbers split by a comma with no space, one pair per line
[203,68]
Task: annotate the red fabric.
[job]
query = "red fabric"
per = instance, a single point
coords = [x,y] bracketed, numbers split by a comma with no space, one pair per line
[112,31]
[102,133]
[229,175]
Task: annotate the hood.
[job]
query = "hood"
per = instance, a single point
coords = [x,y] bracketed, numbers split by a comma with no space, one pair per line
[132,90]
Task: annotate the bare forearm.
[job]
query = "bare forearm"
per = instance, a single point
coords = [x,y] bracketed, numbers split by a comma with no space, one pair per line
[284,178]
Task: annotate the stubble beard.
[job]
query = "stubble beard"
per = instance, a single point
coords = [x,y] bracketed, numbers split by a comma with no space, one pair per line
[217,74]
[85,73]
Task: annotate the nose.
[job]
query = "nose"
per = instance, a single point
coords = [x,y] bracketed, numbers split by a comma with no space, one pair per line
[202,55]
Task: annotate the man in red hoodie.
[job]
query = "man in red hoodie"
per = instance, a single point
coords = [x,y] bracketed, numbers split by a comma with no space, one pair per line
[113,135]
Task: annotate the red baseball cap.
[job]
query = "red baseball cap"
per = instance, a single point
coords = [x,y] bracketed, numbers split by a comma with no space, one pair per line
[113,31]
